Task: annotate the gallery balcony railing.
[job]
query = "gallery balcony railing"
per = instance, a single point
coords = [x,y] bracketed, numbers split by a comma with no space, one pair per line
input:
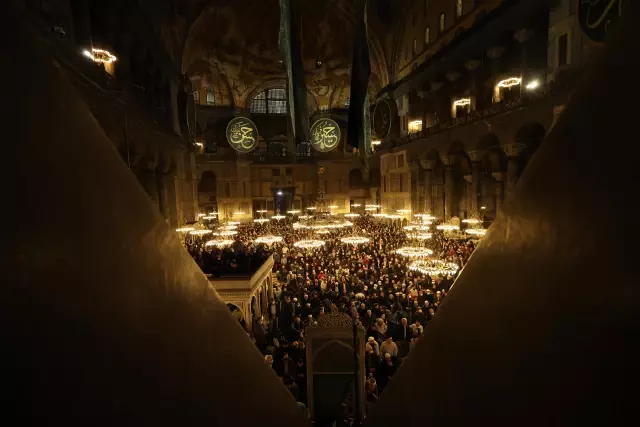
[561,86]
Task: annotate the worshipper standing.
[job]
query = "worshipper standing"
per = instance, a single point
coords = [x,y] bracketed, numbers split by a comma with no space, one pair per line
[389,347]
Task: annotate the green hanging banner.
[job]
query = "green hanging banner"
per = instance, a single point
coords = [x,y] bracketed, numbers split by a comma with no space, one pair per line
[598,17]
[359,130]
[289,42]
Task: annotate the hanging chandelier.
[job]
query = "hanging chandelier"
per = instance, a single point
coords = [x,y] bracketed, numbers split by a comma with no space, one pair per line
[322,231]
[233,223]
[262,211]
[434,267]
[425,217]
[228,228]
[448,227]
[379,215]
[476,231]
[333,206]
[293,211]
[219,243]
[309,244]
[471,221]
[304,217]
[351,215]
[311,208]
[269,239]
[200,232]
[414,251]
[226,233]
[403,211]
[278,217]
[416,227]
[213,213]
[421,236]
[355,240]
[261,220]
[299,226]
[393,216]
[184,229]
[208,217]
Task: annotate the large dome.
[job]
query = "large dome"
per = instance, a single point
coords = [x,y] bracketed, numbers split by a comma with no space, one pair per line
[232,48]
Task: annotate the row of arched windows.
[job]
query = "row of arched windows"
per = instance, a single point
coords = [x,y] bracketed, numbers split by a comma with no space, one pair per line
[210,100]
[271,101]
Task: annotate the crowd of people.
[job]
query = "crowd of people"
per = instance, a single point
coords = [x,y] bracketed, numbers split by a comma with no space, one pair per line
[369,281]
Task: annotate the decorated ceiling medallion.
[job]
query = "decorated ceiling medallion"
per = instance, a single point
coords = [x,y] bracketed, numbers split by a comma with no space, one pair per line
[325,135]
[242,134]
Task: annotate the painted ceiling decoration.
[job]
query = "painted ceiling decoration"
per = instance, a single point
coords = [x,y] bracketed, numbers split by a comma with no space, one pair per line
[231,47]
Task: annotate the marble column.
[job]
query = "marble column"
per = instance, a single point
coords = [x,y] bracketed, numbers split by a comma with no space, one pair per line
[264,299]
[428,190]
[474,188]
[449,190]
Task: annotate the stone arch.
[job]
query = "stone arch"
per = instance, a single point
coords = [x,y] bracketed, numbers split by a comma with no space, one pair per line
[494,160]
[208,182]
[355,179]
[487,141]
[235,311]
[458,157]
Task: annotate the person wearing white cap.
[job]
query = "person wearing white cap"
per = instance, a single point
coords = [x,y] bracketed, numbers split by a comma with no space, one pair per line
[374,344]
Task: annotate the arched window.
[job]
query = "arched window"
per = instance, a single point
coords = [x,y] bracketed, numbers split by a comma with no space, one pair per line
[211,98]
[427,36]
[415,47]
[347,102]
[442,23]
[271,101]
[458,8]
[196,96]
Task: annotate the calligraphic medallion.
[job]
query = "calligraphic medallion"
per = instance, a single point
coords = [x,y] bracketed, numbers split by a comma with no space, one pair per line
[383,119]
[325,135]
[242,134]
[598,17]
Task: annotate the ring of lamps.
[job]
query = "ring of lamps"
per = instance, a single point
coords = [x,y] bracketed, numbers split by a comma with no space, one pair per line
[355,240]
[309,244]
[414,251]
[269,240]
[476,231]
[219,243]
[200,232]
[448,227]
[434,267]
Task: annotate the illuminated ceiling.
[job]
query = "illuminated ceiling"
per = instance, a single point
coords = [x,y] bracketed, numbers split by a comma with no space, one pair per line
[231,46]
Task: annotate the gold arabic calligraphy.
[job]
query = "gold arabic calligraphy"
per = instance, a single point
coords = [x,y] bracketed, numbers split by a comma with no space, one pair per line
[591,24]
[241,134]
[325,136]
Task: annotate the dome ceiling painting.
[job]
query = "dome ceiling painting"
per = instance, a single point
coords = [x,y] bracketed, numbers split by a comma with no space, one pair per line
[232,48]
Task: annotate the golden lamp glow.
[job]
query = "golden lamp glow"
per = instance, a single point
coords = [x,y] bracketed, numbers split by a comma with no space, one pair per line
[354,240]
[200,232]
[262,211]
[277,217]
[356,205]
[219,243]
[269,240]
[333,207]
[462,102]
[309,244]
[261,220]
[471,221]
[293,211]
[376,142]
[100,56]
[533,85]
[513,81]
[239,213]
[415,126]
[414,251]
[184,229]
